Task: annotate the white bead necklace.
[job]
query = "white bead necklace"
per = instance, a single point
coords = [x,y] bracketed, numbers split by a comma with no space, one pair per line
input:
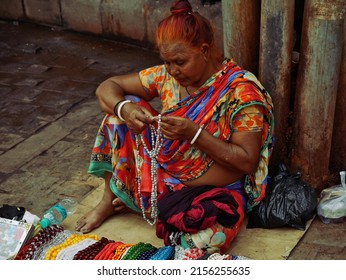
[156,143]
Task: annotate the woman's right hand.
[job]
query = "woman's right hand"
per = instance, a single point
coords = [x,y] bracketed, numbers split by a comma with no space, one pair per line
[137,118]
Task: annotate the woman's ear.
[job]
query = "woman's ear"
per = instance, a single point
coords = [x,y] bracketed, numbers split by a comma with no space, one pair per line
[205,50]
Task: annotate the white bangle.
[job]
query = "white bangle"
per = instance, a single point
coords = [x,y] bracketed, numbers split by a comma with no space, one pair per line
[120,106]
[196,135]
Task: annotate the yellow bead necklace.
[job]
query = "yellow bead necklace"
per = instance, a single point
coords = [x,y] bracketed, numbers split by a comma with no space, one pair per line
[73,239]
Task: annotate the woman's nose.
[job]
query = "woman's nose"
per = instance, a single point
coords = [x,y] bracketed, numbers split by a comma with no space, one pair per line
[174,70]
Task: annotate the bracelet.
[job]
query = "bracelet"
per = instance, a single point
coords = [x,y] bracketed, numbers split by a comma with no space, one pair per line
[196,135]
[116,104]
[120,107]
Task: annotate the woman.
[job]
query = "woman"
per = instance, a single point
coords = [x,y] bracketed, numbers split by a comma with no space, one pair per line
[193,168]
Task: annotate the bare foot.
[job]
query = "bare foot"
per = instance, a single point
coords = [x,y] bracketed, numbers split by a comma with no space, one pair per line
[94,218]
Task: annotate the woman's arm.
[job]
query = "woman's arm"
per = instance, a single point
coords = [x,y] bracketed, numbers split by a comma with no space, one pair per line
[112,91]
[242,154]
[115,88]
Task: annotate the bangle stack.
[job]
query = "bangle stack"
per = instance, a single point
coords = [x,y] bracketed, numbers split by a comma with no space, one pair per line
[118,106]
[196,135]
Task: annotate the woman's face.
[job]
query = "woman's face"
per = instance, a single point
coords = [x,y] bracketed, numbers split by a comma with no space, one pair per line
[187,65]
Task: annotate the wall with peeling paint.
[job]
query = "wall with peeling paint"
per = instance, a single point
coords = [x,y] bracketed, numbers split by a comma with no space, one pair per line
[132,21]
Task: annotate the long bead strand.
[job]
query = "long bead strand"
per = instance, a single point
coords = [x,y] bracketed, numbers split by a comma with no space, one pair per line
[156,144]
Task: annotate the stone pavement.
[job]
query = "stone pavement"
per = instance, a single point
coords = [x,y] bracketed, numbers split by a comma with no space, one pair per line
[49,117]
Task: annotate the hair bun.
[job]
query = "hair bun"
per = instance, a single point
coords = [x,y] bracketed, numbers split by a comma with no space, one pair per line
[181,7]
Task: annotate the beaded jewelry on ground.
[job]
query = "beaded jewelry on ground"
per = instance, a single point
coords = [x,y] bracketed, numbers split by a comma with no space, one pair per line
[55,243]
[37,243]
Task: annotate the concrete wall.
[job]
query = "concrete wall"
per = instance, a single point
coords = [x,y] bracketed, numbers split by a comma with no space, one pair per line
[132,21]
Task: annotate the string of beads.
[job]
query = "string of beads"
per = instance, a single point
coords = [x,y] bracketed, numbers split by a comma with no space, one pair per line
[136,250]
[74,238]
[146,255]
[69,252]
[187,254]
[41,238]
[121,249]
[156,144]
[164,253]
[91,251]
[108,251]
[40,254]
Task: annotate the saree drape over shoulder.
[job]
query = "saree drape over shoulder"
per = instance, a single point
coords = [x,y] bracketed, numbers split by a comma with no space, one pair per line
[212,106]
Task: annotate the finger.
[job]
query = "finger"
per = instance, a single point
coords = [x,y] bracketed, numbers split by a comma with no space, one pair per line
[168,123]
[147,116]
[173,126]
[169,134]
[137,126]
[165,119]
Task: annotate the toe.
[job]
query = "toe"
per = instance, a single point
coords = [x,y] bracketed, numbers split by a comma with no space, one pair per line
[84,230]
[117,202]
[80,224]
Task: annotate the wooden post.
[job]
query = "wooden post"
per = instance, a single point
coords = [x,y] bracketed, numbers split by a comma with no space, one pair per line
[241,20]
[338,154]
[276,46]
[317,82]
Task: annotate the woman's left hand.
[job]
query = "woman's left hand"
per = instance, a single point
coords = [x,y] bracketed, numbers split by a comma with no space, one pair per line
[178,128]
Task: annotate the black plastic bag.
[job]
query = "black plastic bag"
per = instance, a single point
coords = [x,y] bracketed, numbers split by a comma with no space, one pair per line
[12,212]
[288,202]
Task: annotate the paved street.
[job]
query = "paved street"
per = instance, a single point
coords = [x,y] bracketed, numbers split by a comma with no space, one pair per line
[49,113]
[49,117]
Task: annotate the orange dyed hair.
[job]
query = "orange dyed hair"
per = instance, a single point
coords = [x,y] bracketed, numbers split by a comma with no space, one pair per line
[186,26]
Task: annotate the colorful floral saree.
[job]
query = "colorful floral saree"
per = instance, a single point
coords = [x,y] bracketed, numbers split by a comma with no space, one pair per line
[212,106]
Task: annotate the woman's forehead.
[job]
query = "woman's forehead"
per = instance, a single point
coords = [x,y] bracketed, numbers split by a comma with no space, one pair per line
[175,49]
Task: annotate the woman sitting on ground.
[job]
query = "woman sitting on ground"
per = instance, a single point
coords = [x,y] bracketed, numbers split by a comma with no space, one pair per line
[194,167]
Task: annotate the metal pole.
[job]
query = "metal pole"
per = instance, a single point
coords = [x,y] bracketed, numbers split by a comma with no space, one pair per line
[317,82]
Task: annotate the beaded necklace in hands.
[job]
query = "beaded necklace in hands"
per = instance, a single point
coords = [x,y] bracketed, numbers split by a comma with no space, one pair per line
[156,144]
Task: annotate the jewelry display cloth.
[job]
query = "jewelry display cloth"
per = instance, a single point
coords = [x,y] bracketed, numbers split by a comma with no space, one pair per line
[255,244]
